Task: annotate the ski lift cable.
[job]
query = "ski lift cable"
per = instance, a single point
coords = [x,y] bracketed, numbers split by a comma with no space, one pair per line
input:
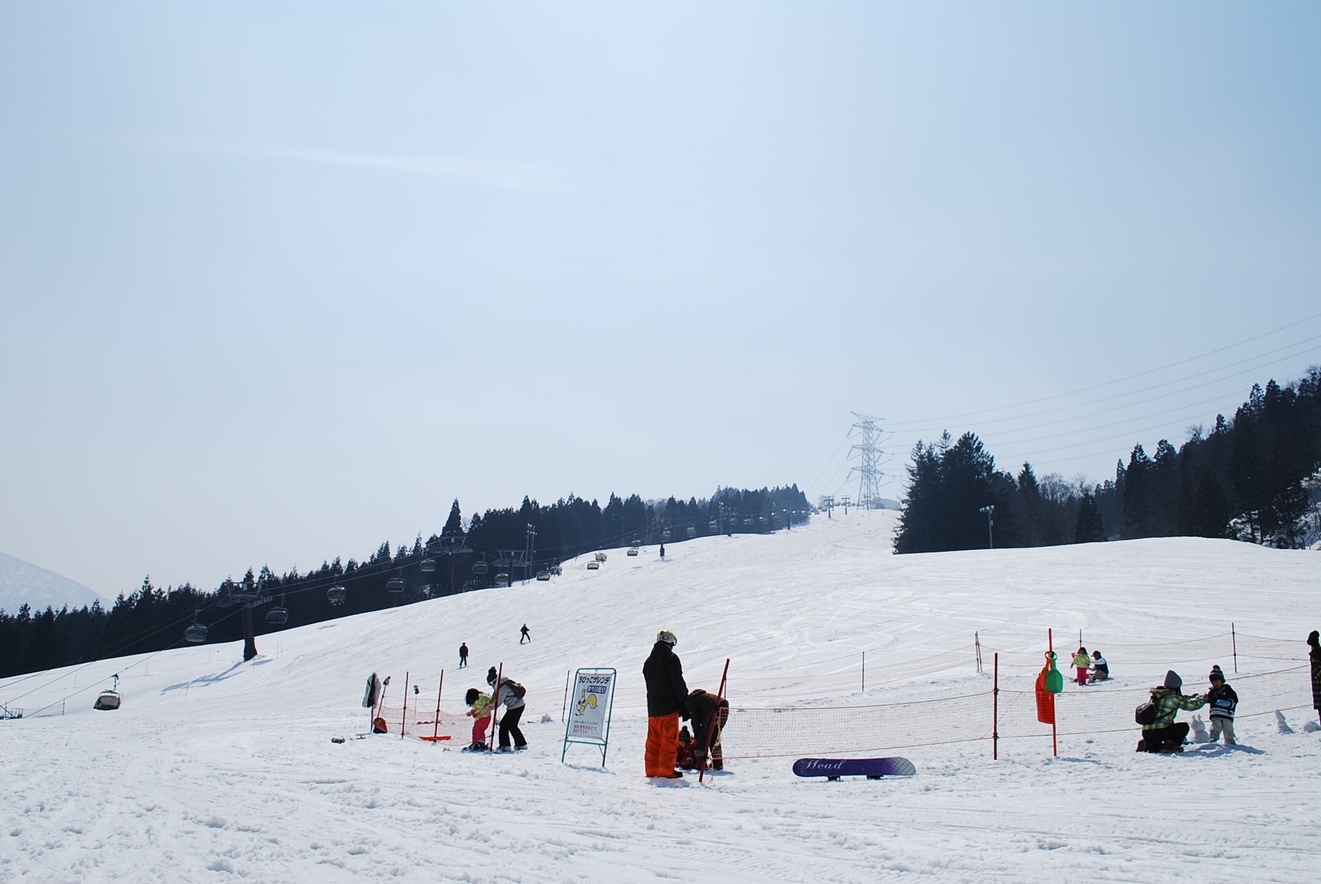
[1121,380]
[1272,359]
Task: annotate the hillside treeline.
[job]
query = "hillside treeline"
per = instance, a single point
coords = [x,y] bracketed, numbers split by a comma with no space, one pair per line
[1248,478]
[497,547]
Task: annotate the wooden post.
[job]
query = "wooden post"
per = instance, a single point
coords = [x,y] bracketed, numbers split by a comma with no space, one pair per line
[1234,639]
[710,725]
[995,711]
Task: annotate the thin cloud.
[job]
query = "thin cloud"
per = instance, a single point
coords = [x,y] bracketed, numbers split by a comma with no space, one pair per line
[488,173]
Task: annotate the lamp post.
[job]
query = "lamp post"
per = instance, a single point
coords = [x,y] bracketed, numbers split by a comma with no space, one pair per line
[990,537]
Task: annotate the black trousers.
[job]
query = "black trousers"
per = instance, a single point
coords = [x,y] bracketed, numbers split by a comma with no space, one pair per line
[1175,733]
[509,725]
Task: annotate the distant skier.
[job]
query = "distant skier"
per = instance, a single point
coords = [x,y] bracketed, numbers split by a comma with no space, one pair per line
[524,635]
[662,551]
[509,694]
[667,698]
[463,656]
[1314,640]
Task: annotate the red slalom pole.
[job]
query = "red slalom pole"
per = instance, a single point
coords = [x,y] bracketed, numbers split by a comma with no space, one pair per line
[435,731]
[710,729]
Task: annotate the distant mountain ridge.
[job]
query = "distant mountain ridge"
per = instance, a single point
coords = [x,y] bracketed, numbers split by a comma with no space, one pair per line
[25,583]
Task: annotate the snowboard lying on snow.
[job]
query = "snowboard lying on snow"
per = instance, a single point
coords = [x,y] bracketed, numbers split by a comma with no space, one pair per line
[871,768]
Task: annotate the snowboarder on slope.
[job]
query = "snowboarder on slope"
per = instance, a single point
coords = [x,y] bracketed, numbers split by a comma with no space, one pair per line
[524,635]
[667,699]
[506,695]
[1163,734]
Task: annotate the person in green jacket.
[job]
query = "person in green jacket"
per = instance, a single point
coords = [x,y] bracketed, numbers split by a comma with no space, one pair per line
[1165,734]
[1080,662]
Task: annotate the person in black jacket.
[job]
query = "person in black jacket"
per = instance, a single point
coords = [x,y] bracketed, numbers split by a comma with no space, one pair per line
[1314,655]
[709,713]
[667,699]
[1223,701]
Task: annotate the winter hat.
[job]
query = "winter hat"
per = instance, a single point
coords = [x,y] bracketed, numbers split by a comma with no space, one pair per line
[1172,680]
[1216,674]
[1313,638]
[490,675]
[668,637]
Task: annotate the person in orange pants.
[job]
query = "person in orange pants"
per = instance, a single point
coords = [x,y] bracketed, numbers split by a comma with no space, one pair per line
[667,698]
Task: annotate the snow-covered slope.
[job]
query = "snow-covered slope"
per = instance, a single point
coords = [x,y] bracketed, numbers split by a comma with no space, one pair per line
[215,769]
[24,583]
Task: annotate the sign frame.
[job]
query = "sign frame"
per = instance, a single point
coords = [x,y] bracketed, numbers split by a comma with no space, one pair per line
[583,680]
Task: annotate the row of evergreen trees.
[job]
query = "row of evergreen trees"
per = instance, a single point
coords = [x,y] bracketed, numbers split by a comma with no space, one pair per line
[1248,478]
[151,618]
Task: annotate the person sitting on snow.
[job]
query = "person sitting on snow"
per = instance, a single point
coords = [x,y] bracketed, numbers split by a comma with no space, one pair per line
[1100,670]
[687,755]
[1163,734]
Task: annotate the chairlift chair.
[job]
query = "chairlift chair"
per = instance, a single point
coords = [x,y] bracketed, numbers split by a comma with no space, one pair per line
[593,565]
[108,700]
[479,569]
[691,532]
[428,565]
[713,526]
[196,634]
[665,536]
[632,550]
[502,577]
[395,584]
[277,616]
[335,595]
[543,575]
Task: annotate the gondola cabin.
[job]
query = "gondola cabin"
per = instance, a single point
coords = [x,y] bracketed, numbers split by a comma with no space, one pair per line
[107,700]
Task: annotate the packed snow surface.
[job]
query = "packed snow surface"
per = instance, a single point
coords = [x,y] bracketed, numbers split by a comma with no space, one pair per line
[219,770]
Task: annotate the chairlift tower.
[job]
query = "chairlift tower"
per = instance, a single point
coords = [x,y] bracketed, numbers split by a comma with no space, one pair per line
[246,593]
[869,457]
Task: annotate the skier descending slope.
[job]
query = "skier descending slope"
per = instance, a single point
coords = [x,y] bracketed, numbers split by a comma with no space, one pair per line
[667,697]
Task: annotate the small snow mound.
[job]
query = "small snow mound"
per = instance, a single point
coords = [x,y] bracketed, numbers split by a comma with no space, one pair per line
[1283,725]
[1311,727]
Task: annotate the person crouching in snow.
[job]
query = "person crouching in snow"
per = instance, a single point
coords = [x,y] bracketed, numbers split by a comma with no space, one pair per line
[667,698]
[687,757]
[709,713]
[1163,734]
[1080,663]
[1100,670]
[480,712]
[1223,701]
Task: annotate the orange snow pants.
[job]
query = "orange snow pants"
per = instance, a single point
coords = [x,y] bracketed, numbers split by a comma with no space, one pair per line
[662,744]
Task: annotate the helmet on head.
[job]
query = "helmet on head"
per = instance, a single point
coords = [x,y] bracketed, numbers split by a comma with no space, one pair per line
[666,636]
[491,675]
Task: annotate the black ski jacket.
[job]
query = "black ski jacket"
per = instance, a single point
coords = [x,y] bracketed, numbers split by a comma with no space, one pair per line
[666,691]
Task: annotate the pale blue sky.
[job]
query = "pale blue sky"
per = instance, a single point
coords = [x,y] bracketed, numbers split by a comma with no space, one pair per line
[249,252]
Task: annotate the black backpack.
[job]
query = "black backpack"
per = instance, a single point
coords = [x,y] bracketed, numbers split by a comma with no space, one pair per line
[1146,714]
[518,689]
